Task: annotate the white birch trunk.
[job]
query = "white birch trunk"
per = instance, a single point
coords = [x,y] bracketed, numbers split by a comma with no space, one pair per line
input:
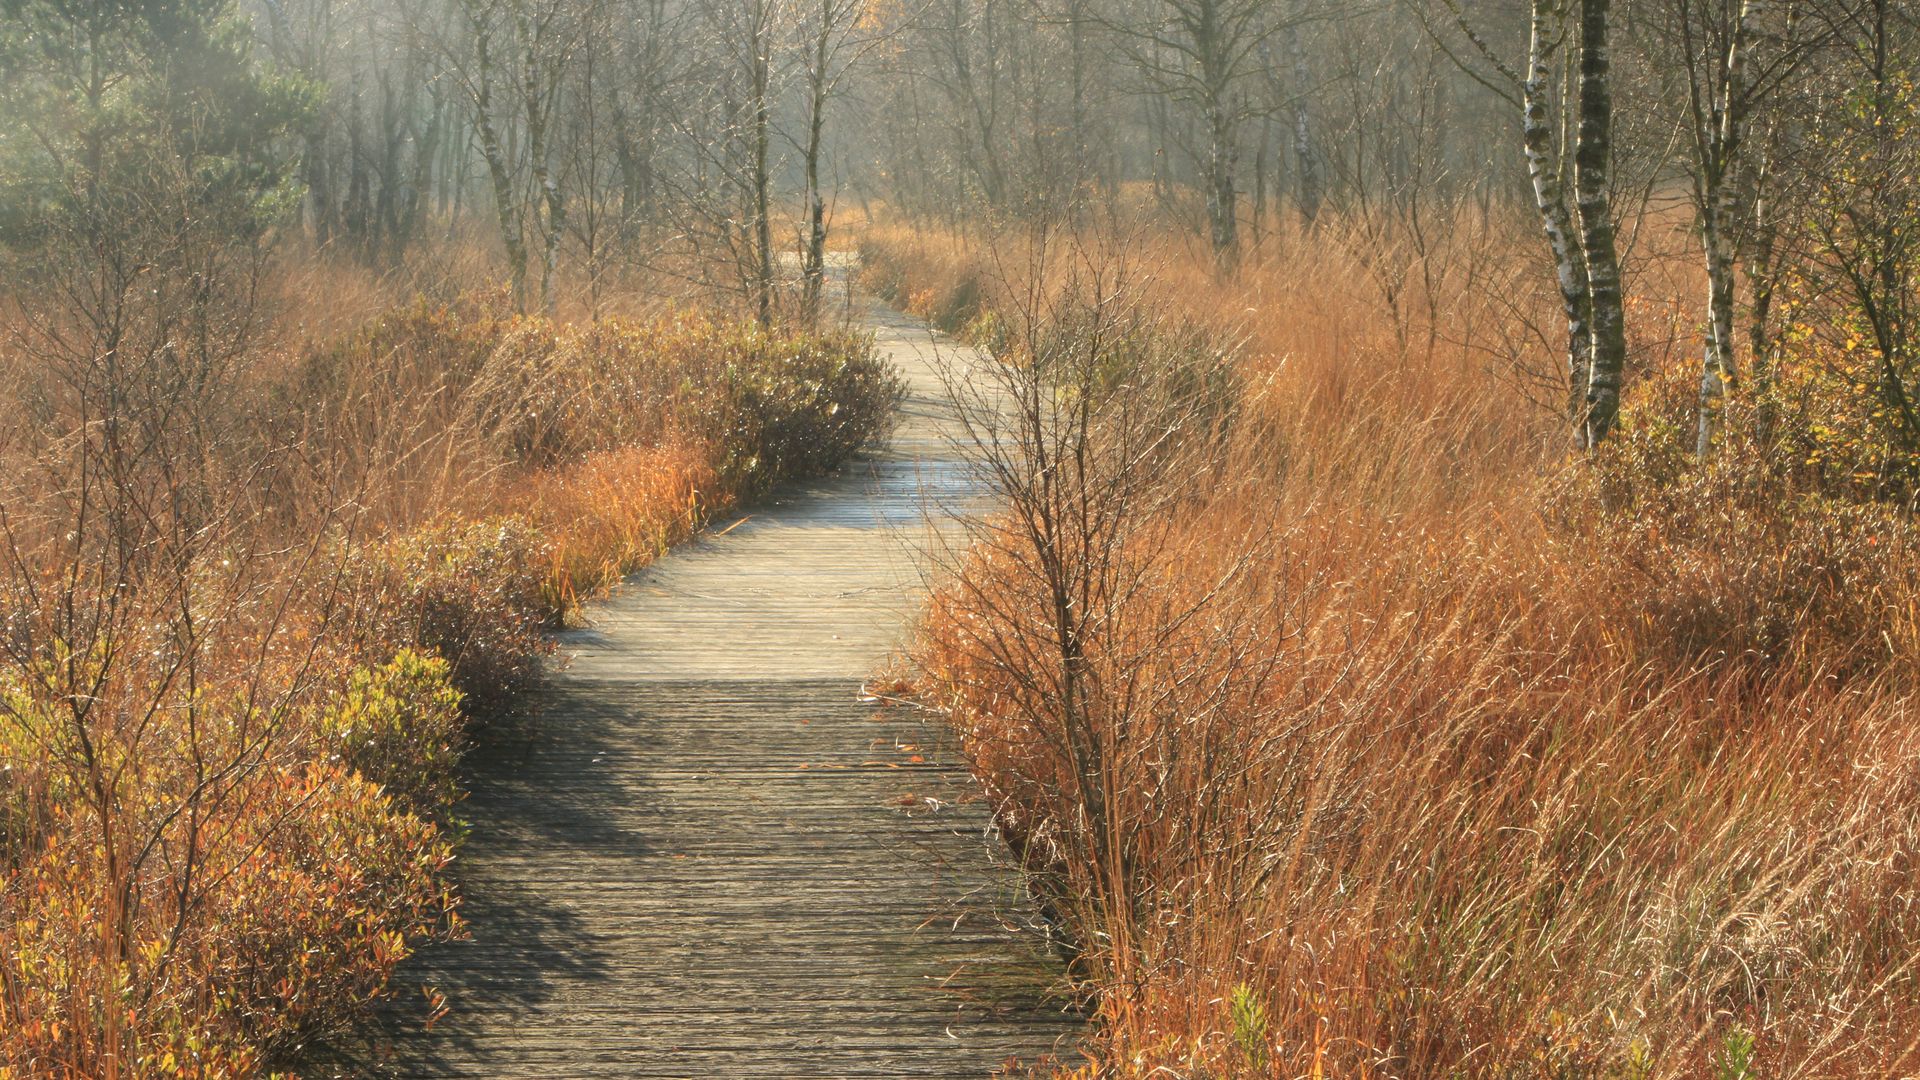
[1593,157]
[1305,162]
[550,211]
[1549,193]
[498,170]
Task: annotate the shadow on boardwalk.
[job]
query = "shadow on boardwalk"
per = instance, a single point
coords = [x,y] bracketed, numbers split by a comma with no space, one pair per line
[708,858]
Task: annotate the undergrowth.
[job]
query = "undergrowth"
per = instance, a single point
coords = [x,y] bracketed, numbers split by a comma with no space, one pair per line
[1379,737]
[240,661]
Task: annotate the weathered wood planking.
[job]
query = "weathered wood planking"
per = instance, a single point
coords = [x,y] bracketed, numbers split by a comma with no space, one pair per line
[708,859]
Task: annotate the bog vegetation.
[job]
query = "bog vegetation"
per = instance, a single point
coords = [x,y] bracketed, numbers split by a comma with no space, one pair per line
[1454,615]
[1347,730]
[1455,608]
[272,557]
[245,650]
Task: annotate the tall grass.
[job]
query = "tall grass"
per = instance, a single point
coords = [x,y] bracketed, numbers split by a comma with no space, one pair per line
[250,616]
[1376,737]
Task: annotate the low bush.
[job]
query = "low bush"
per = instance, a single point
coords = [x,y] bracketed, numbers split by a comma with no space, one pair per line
[236,681]
[797,408]
[470,591]
[201,890]
[399,725]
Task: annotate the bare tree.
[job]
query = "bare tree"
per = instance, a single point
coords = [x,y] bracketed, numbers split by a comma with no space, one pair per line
[1592,165]
[539,37]
[833,40]
[1199,51]
[1716,46]
[1585,260]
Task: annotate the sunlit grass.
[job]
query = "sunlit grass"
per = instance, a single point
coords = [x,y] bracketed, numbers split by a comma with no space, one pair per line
[228,774]
[1416,746]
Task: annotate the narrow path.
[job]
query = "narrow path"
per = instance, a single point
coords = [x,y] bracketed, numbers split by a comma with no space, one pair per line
[709,859]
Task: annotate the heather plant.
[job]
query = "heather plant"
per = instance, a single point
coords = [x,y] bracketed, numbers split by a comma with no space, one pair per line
[399,725]
[798,407]
[471,593]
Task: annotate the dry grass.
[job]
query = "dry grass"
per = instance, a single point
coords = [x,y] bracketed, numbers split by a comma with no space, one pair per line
[615,511]
[252,619]
[1401,745]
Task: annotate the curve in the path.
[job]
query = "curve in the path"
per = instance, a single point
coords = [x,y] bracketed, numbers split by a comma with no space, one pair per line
[710,859]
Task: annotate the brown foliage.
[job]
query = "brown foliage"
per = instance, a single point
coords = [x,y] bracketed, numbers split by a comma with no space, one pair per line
[251,608]
[1381,740]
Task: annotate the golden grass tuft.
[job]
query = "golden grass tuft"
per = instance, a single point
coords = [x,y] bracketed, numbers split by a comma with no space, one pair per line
[615,511]
[1401,743]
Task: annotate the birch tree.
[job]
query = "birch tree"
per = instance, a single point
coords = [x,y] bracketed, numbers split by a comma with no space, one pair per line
[1306,159]
[1546,174]
[519,53]
[754,42]
[1552,44]
[1716,46]
[1592,165]
[1720,97]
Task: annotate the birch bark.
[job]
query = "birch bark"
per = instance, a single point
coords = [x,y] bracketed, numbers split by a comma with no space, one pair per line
[1593,159]
[1721,133]
[1544,170]
[498,169]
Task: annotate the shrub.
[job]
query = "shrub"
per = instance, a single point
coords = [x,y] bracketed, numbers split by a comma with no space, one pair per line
[229,730]
[185,924]
[471,592]
[800,407]
[400,726]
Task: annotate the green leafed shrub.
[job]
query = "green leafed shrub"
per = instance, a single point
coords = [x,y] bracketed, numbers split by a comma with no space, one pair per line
[798,406]
[399,725]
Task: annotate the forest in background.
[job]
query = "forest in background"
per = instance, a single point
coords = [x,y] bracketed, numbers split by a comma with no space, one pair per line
[1524,692]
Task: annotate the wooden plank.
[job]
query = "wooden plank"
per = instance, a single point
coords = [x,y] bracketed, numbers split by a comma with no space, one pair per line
[709,858]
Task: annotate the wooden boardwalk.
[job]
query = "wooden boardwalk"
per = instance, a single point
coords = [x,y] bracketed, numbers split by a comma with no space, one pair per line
[708,858]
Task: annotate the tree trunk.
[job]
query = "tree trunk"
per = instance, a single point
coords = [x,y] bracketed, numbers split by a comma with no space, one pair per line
[395,115]
[1222,199]
[498,170]
[318,177]
[814,259]
[536,92]
[762,140]
[1257,213]
[358,216]
[1593,157]
[1306,164]
[1716,363]
[426,149]
[1723,132]
[1549,194]
[1763,280]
